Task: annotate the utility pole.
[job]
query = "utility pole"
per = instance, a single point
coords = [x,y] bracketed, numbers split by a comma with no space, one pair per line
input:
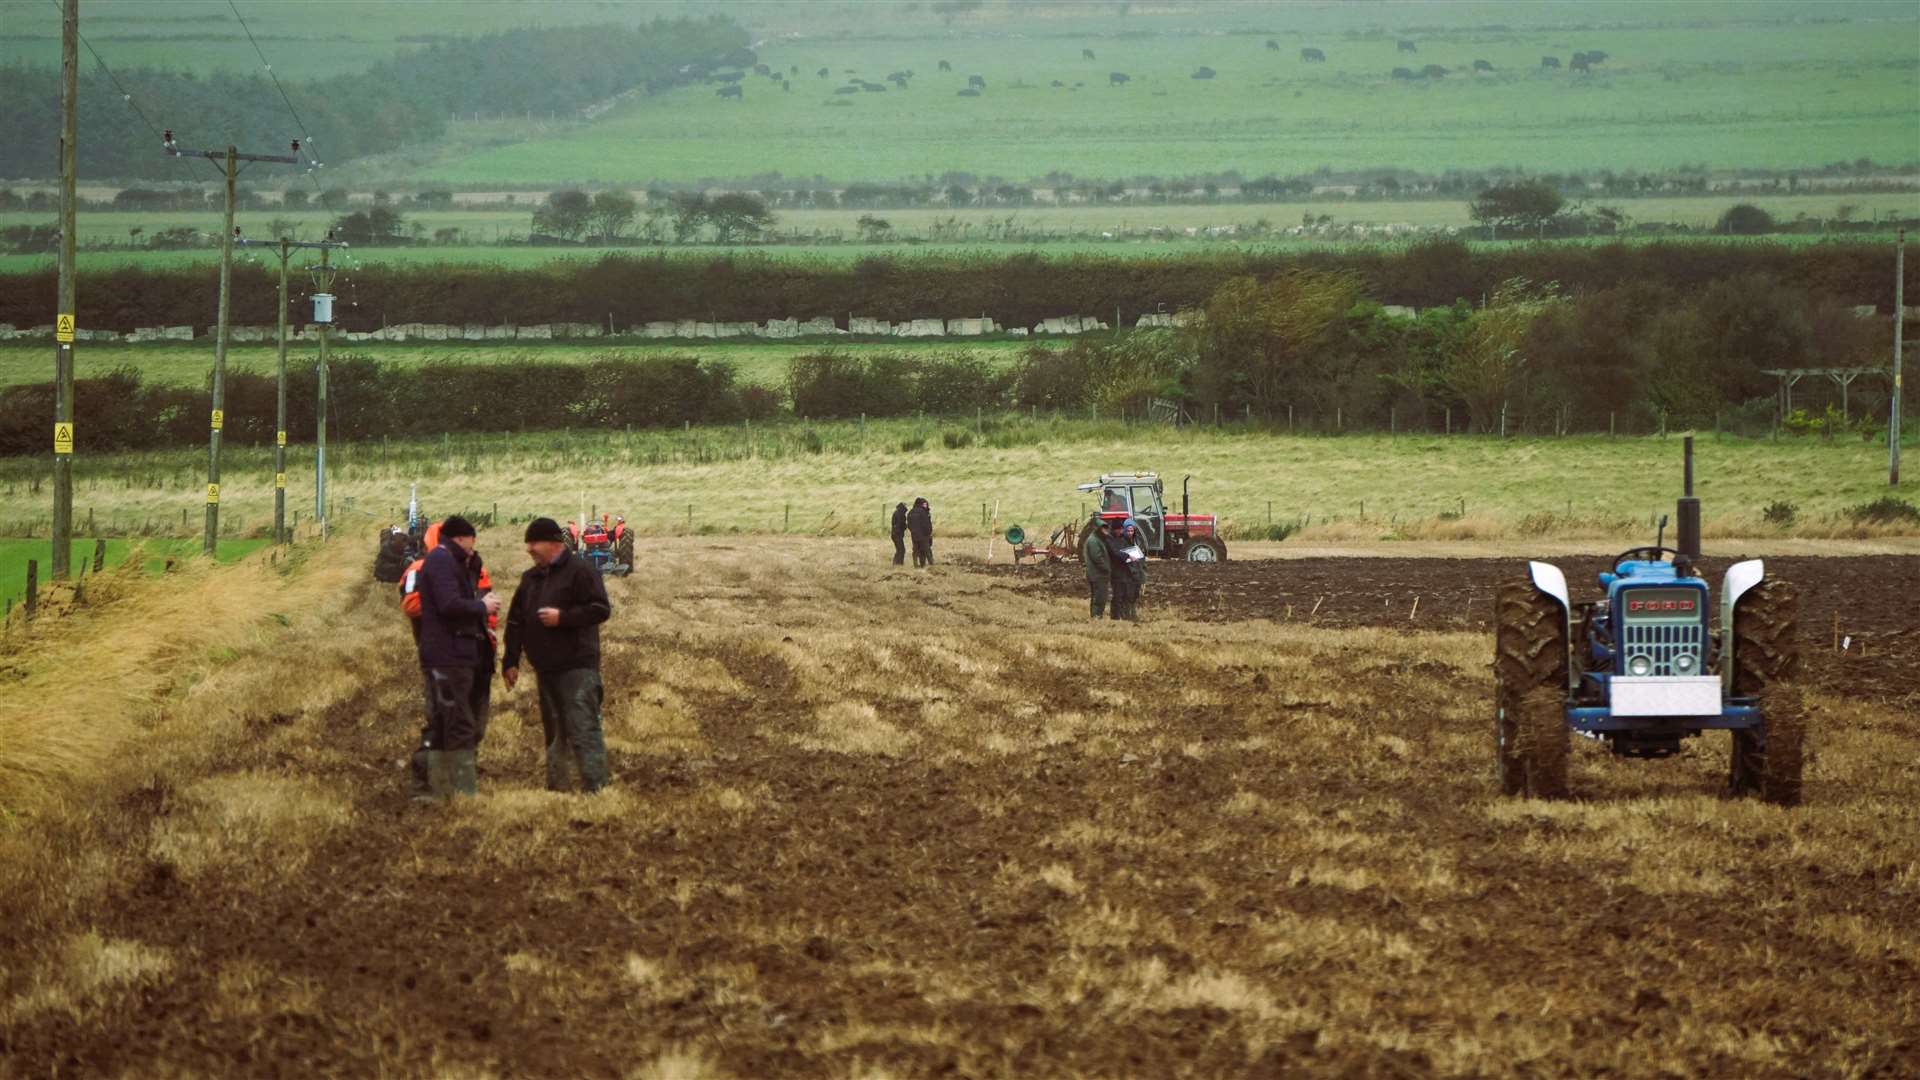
[284,247]
[230,158]
[64,317]
[322,315]
[1899,322]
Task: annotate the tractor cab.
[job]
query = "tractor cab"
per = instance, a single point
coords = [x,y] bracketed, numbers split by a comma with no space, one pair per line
[1141,496]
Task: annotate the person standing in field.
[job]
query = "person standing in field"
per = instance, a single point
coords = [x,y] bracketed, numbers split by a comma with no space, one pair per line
[1134,569]
[554,622]
[920,524]
[1121,579]
[1097,556]
[420,781]
[900,534]
[457,655]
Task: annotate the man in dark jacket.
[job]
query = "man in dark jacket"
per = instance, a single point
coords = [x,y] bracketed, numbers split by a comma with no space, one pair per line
[1133,569]
[555,620]
[1098,560]
[920,524]
[457,656]
[900,533]
[1122,578]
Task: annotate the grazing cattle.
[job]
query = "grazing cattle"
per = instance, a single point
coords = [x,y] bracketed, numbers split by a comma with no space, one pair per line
[1273,45]
[1118,78]
[1579,63]
[1313,56]
[1086,54]
[1057,82]
[1549,61]
[1403,73]
[944,66]
[846,89]
[794,70]
[968,92]
[976,82]
[762,69]
[1595,56]
[730,76]
[898,80]
[1482,65]
[873,88]
[1407,46]
[1433,71]
[729,92]
[1203,73]
[823,73]
[787,86]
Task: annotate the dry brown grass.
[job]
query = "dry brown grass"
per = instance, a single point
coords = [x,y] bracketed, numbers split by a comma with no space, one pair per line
[871,822]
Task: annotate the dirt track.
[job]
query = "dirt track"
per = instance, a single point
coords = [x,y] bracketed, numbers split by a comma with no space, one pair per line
[1873,599]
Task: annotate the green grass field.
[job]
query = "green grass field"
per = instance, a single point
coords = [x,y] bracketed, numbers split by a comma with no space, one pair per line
[14,555]
[190,364]
[1779,95]
[839,478]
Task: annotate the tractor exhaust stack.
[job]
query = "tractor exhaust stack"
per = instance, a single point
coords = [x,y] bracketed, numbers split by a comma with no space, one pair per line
[1687,529]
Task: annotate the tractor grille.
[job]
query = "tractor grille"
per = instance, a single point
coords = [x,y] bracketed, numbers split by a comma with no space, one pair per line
[1664,641]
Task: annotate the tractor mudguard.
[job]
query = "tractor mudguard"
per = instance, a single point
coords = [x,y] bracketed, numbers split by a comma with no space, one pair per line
[1550,580]
[1741,576]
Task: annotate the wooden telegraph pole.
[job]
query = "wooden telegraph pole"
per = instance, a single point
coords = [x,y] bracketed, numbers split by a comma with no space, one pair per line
[285,247]
[1899,322]
[64,322]
[323,316]
[230,159]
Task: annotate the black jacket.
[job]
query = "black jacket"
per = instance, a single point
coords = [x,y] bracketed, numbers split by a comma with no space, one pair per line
[573,586]
[899,520]
[920,522]
[453,621]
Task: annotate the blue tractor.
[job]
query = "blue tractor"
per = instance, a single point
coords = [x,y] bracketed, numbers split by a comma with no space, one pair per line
[1644,669]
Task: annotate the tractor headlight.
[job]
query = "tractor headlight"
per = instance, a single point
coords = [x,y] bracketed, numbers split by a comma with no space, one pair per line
[1640,665]
[1683,664]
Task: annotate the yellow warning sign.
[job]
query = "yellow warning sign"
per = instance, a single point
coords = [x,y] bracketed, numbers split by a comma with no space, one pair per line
[213,493]
[280,438]
[280,480]
[63,326]
[63,438]
[219,417]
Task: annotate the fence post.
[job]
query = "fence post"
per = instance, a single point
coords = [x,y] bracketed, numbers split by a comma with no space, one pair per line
[1449,419]
[99,555]
[1610,430]
[33,587]
[689,517]
[787,525]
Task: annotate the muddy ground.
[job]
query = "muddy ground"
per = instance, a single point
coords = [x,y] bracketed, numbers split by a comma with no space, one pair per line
[877,822]
[1874,600]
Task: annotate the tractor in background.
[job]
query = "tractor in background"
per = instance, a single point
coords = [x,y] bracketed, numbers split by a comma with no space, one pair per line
[1140,496]
[1643,668]
[606,544]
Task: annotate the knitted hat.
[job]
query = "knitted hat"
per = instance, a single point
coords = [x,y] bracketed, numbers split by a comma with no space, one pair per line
[545,529]
[455,527]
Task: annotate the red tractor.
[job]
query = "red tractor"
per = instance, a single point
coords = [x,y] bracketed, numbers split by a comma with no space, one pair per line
[1185,535]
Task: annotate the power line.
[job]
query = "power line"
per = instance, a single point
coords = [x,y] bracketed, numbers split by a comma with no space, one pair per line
[306,136]
[125,94]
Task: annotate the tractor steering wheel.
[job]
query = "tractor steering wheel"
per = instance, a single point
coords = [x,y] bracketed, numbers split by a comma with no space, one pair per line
[1646,549]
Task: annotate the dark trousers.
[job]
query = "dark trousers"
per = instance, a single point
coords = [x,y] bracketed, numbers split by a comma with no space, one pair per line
[923,551]
[570,719]
[900,550]
[1125,591]
[1098,600]
[459,698]
[417,763]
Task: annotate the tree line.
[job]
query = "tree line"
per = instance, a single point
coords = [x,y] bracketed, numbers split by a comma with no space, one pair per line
[405,99]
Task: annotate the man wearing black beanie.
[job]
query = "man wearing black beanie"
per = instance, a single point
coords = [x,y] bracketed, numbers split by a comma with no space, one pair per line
[457,656]
[555,620]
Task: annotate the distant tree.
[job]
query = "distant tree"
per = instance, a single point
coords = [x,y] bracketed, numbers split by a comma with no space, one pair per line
[613,214]
[1744,219]
[689,216]
[294,199]
[738,216]
[1517,205]
[1486,366]
[1258,342]
[283,227]
[565,215]
[434,200]
[369,228]
[873,230]
[11,201]
[958,195]
[333,199]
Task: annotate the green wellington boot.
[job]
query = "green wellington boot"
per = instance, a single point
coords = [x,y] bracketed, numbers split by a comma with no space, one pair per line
[439,774]
[464,768]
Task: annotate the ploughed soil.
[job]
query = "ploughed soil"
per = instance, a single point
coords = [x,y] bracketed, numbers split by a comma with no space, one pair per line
[1859,614]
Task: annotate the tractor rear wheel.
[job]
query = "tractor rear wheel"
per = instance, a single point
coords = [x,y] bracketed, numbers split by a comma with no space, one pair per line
[623,551]
[1530,734]
[1766,761]
[1206,549]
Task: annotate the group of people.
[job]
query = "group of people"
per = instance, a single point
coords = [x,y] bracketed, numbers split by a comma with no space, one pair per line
[917,522]
[552,625]
[1116,566]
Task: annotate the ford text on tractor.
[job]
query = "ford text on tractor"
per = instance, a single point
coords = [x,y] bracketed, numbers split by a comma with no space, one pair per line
[1186,535]
[1643,668]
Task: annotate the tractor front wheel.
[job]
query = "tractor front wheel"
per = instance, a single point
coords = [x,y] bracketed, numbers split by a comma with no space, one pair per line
[1767,761]
[1531,740]
[1206,550]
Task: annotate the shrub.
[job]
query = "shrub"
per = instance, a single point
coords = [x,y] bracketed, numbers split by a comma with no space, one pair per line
[1780,513]
[956,438]
[1886,510]
[913,445]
